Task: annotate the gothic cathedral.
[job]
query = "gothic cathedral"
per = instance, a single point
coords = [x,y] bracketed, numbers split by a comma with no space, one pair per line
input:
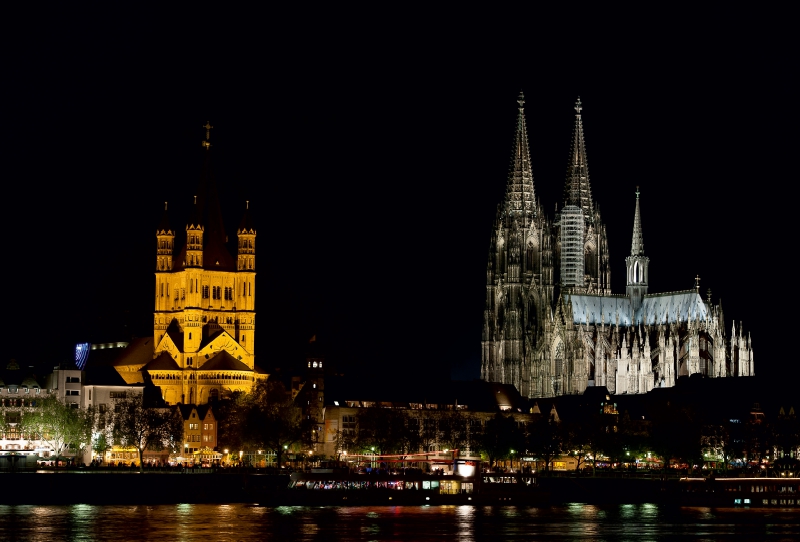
[551,325]
[203,343]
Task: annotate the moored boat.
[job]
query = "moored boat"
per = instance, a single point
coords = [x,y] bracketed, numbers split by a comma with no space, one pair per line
[783,492]
[343,486]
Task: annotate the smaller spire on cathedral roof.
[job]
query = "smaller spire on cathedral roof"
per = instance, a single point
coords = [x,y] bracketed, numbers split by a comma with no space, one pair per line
[637,244]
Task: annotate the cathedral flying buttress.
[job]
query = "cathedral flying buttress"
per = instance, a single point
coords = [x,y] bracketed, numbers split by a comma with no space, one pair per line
[551,324]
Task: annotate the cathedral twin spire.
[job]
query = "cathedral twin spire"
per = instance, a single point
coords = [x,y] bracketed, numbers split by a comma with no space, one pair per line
[578,191]
[520,193]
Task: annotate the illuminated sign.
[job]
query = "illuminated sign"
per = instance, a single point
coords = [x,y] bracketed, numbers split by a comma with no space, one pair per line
[81,355]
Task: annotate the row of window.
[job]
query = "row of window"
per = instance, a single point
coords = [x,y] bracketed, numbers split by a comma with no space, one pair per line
[16,389]
[215,292]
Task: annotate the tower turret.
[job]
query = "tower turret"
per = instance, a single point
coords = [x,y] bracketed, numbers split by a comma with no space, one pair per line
[637,264]
[247,242]
[194,238]
[246,281]
[165,238]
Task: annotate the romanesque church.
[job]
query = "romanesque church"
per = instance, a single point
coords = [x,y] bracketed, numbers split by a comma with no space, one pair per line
[203,343]
[552,326]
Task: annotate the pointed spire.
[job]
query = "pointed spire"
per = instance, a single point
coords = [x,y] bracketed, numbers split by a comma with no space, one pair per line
[246,223]
[637,245]
[206,142]
[520,193]
[163,225]
[578,191]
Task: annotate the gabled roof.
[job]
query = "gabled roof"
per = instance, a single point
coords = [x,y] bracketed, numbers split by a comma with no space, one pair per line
[186,410]
[139,352]
[175,333]
[203,410]
[163,362]
[223,361]
[207,340]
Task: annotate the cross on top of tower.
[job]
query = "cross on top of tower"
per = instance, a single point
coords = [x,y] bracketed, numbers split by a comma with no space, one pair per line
[697,283]
[578,106]
[208,128]
[637,191]
[521,99]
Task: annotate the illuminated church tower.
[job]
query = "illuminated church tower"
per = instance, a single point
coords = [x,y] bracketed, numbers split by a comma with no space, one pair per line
[203,344]
[519,274]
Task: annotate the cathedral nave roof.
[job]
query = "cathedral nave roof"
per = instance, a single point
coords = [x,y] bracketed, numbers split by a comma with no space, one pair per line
[664,308]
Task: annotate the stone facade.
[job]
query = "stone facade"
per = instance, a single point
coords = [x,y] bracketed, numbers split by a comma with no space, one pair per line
[552,326]
[203,343]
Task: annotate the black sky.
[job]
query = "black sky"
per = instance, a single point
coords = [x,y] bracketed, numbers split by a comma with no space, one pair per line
[374,167]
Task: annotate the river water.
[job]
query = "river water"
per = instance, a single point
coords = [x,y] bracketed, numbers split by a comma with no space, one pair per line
[186,522]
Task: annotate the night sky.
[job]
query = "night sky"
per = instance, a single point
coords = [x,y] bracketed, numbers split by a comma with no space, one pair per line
[374,170]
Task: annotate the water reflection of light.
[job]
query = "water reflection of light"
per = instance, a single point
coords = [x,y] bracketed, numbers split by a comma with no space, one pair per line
[509,511]
[83,511]
[648,511]
[466,523]
[627,511]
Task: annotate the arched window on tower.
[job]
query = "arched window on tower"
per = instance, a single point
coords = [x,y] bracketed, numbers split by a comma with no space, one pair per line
[530,258]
